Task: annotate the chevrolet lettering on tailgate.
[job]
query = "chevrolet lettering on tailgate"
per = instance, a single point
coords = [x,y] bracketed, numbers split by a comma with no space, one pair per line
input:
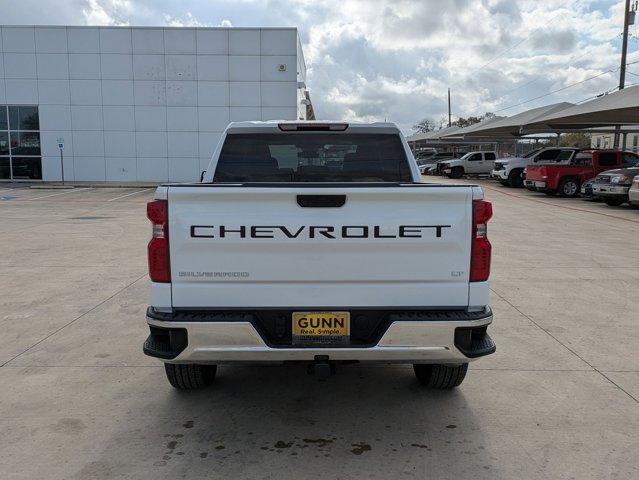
[315,231]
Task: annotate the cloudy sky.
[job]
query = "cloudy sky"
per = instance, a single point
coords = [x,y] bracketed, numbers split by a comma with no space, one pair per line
[394,59]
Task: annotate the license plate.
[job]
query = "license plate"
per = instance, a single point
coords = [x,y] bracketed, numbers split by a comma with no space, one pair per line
[312,328]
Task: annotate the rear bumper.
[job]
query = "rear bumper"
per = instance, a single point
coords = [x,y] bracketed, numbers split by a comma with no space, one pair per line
[451,337]
[633,196]
[538,185]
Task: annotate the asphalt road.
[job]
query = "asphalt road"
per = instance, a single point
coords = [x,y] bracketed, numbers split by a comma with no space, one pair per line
[79,400]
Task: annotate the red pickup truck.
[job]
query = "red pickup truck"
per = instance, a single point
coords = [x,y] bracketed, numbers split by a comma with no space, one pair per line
[567,174]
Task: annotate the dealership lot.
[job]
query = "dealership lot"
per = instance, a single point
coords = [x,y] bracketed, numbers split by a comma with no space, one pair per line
[559,399]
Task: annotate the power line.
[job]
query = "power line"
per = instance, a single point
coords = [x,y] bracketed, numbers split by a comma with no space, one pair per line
[616,87]
[501,54]
[567,87]
[570,62]
[558,90]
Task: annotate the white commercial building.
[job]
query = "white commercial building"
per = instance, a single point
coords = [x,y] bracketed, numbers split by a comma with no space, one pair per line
[628,141]
[137,104]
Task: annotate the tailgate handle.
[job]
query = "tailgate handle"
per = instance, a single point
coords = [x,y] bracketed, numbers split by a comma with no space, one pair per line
[321,201]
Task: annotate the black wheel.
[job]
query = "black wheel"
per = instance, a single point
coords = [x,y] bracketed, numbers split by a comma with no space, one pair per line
[516,178]
[191,376]
[613,202]
[569,187]
[456,172]
[441,377]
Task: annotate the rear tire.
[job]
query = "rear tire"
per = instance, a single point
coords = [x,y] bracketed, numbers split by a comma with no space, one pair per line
[441,377]
[516,179]
[191,376]
[613,202]
[569,187]
[456,172]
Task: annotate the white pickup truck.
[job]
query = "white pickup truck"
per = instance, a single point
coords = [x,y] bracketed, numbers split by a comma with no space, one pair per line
[316,242]
[473,163]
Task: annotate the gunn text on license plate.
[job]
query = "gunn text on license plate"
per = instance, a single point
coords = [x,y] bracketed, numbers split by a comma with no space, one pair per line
[312,328]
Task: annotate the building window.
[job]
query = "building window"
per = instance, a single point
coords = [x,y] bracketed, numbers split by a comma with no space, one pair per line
[598,142]
[20,154]
[635,142]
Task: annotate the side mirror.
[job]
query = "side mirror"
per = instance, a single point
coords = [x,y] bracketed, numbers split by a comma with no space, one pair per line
[202,175]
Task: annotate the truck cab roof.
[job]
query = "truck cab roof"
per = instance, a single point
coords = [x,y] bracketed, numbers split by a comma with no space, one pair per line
[287,126]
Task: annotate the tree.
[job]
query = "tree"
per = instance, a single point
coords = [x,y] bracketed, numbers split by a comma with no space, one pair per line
[467,122]
[579,140]
[424,126]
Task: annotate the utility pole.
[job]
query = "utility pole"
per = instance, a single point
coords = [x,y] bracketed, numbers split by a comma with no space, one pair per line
[624,47]
[450,122]
[622,70]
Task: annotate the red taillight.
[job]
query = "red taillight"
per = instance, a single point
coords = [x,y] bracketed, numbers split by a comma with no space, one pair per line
[481,249]
[158,250]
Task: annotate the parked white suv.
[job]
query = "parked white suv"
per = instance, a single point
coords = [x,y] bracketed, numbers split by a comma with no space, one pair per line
[317,242]
[473,163]
[510,171]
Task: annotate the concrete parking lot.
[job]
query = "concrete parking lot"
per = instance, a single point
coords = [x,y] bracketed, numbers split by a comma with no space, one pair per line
[79,400]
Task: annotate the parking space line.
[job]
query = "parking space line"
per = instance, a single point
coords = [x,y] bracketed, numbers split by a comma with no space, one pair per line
[556,339]
[128,195]
[74,320]
[60,193]
[560,206]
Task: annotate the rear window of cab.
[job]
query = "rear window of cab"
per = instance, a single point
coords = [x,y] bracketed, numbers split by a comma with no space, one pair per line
[312,157]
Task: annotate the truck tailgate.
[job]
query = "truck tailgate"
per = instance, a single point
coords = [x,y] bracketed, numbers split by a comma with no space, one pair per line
[387,246]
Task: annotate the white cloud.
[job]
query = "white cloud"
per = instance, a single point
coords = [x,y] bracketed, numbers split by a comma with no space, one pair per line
[187,20]
[394,59]
[106,12]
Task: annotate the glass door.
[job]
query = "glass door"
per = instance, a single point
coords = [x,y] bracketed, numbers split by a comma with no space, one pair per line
[20,153]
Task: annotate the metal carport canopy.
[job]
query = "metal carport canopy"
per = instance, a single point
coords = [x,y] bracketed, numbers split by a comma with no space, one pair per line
[416,137]
[619,108]
[462,132]
[510,127]
[434,135]
[444,132]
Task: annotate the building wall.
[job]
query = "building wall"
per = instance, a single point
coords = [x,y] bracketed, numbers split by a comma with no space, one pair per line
[146,104]
[607,140]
